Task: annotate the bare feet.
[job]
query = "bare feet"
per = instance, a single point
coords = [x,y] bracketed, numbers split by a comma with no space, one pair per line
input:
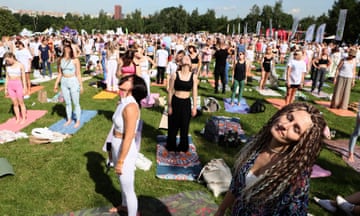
[67,123]
[77,124]
[351,157]
[23,121]
[17,121]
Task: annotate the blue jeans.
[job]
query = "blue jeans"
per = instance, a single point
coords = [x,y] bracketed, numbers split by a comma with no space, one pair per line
[45,63]
[70,88]
[354,135]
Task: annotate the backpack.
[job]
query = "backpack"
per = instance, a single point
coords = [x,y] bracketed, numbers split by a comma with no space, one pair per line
[211,105]
[257,107]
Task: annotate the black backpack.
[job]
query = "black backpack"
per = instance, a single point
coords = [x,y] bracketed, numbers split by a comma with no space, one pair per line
[257,107]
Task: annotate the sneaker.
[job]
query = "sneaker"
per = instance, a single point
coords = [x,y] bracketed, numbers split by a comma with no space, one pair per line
[26,96]
[345,205]
[326,204]
[109,164]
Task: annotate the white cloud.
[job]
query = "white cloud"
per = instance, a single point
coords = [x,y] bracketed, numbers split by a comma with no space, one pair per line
[226,8]
[295,11]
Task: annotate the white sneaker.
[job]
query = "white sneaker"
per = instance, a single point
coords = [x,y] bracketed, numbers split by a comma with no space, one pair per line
[345,205]
[26,96]
[326,204]
[142,162]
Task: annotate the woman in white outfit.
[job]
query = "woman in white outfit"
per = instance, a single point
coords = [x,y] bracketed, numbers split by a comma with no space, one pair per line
[124,153]
[112,61]
[143,63]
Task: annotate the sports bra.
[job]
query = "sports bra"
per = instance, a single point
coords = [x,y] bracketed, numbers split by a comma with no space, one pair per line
[181,85]
[128,70]
[194,60]
[118,119]
[323,61]
[13,71]
[67,67]
[144,66]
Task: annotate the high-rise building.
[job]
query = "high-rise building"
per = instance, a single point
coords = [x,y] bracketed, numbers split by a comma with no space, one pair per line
[117,12]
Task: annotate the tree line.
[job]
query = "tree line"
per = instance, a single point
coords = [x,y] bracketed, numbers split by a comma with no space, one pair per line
[178,20]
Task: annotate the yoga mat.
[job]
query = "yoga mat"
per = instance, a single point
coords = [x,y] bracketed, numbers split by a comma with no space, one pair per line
[151,102]
[341,146]
[5,167]
[137,136]
[2,81]
[242,109]
[2,88]
[31,116]
[34,89]
[176,166]
[156,84]
[43,79]
[105,95]
[164,121]
[194,203]
[299,94]
[267,92]
[318,172]
[339,112]
[86,78]
[315,94]
[86,115]
[278,103]
[308,83]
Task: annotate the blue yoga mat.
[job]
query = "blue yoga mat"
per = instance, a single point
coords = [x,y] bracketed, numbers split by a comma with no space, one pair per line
[86,115]
[243,108]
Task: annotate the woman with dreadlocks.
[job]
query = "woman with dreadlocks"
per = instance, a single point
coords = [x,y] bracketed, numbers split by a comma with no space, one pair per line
[272,172]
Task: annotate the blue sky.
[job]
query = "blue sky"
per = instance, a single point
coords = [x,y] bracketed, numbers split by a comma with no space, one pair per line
[229,8]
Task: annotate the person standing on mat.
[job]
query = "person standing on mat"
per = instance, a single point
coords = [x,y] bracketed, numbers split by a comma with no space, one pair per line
[354,136]
[182,84]
[321,64]
[241,69]
[71,84]
[272,172]
[296,70]
[126,119]
[15,86]
[268,62]
[220,56]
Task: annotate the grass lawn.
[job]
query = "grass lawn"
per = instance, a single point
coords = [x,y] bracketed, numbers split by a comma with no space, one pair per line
[61,177]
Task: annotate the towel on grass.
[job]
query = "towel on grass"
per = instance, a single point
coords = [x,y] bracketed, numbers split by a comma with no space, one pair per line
[176,166]
[86,115]
[267,92]
[339,112]
[243,108]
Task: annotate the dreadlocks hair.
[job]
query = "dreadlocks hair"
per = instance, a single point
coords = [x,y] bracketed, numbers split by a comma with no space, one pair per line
[298,160]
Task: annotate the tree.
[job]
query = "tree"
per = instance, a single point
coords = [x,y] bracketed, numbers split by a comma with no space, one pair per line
[9,24]
[252,18]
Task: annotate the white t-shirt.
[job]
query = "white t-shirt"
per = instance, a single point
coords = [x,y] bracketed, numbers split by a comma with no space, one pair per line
[24,57]
[297,68]
[171,68]
[162,57]
[34,46]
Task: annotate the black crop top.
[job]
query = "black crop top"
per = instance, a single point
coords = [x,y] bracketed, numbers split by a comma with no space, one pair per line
[195,60]
[323,61]
[180,85]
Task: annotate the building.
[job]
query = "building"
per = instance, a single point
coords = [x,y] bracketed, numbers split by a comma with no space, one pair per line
[117,12]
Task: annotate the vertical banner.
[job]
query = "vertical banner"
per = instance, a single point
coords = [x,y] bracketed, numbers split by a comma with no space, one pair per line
[238,28]
[233,31]
[294,28]
[258,27]
[320,33]
[341,25]
[245,28]
[227,28]
[271,29]
[309,36]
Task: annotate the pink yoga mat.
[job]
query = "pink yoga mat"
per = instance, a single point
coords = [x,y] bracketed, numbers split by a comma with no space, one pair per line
[32,115]
[318,172]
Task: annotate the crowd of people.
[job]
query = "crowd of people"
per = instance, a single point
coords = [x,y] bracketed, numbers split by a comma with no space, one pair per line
[273,170]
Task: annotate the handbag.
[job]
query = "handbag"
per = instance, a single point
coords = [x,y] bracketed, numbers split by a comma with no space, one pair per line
[217,176]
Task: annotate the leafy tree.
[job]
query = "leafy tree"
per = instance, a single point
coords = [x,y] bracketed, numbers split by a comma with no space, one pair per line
[9,24]
[252,18]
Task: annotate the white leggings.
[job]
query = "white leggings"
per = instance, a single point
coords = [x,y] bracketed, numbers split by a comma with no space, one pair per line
[146,78]
[127,177]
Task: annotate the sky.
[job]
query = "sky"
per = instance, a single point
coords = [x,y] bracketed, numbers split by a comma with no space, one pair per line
[230,8]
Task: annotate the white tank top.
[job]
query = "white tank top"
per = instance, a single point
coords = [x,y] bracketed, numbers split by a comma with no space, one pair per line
[118,119]
[13,71]
[144,66]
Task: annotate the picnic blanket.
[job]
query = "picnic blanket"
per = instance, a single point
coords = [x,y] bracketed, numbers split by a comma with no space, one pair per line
[105,95]
[341,146]
[278,103]
[151,102]
[267,92]
[31,116]
[242,109]
[195,203]
[176,166]
[86,115]
[339,112]
[5,167]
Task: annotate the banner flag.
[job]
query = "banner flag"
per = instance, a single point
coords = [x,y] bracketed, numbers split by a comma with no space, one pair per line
[309,36]
[320,33]
[341,25]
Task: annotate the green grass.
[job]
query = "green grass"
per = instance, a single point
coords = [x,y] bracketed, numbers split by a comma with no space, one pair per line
[61,177]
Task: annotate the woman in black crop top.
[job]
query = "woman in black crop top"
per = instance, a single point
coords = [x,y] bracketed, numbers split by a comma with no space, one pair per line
[266,66]
[195,59]
[241,68]
[182,84]
[321,64]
